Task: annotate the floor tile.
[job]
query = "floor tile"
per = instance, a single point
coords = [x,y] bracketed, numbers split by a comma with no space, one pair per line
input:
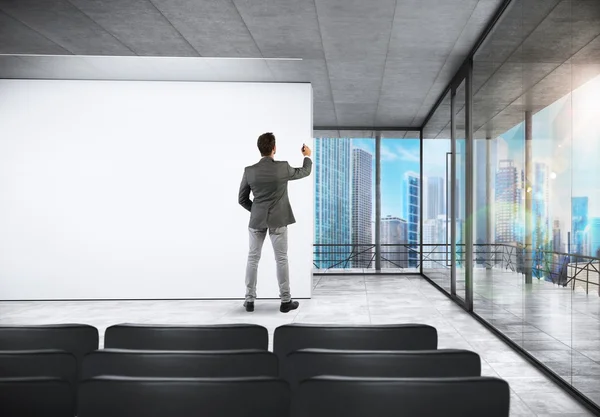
[372,299]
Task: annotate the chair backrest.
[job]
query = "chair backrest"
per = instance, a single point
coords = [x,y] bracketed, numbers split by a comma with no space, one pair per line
[35,363]
[209,337]
[78,339]
[395,397]
[180,364]
[307,363]
[160,397]
[291,337]
[38,396]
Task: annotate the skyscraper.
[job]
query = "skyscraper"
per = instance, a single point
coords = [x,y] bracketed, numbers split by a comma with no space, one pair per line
[520,223]
[556,237]
[579,221]
[594,237]
[506,202]
[394,232]
[436,201]
[482,211]
[411,212]
[332,200]
[540,203]
[431,244]
[556,247]
[362,206]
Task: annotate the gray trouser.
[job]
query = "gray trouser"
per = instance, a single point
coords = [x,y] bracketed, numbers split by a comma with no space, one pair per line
[279,239]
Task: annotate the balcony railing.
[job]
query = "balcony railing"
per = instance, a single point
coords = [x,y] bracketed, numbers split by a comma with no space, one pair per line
[564,269]
[349,256]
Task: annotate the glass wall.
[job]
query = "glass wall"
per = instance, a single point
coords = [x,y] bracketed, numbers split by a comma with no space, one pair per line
[459,214]
[536,224]
[436,195]
[400,201]
[345,174]
[344,169]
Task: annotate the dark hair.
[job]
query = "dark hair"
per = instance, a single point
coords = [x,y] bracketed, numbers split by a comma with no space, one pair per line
[266,144]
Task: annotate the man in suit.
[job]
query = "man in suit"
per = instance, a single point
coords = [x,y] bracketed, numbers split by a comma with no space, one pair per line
[270,211]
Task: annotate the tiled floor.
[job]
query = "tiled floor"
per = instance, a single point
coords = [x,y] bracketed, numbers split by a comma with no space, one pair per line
[559,326]
[336,299]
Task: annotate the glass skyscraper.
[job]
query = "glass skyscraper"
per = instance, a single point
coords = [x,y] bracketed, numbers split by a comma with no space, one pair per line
[411,212]
[540,202]
[362,207]
[594,237]
[332,201]
[507,200]
[394,232]
[579,221]
[436,202]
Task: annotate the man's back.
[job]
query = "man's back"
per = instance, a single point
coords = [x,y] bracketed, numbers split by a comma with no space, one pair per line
[268,182]
[270,212]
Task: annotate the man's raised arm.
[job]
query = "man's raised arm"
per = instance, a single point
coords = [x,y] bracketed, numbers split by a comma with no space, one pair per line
[298,173]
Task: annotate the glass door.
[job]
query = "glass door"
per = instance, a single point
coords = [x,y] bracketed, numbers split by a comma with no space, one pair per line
[436,195]
[461,243]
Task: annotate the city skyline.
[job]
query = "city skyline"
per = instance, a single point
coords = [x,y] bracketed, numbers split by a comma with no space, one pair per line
[564,149]
[345,184]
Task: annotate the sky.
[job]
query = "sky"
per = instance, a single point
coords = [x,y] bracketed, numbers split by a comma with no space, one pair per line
[398,156]
[566,137]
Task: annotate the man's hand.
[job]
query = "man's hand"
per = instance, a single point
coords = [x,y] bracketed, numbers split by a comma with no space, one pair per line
[306,150]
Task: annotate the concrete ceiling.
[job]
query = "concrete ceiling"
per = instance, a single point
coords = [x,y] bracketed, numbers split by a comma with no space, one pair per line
[535,57]
[372,63]
[539,51]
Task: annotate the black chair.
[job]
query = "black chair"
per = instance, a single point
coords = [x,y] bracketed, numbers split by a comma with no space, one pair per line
[78,339]
[208,337]
[180,364]
[307,363]
[190,397]
[34,363]
[291,337]
[39,397]
[395,397]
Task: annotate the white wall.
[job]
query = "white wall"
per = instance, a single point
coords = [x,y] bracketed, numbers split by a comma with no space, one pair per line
[129,189]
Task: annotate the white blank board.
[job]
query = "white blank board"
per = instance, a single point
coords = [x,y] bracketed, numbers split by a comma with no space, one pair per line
[129,190]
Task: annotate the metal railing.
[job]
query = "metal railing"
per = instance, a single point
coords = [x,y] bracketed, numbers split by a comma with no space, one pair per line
[564,269]
[348,256]
[557,267]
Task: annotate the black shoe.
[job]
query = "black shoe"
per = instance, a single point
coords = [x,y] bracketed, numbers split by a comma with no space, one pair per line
[289,306]
[249,306]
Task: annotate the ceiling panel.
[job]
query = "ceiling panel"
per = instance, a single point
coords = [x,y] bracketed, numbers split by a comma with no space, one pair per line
[355,114]
[353,29]
[78,34]
[139,25]
[402,90]
[324,113]
[283,29]
[445,21]
[355,81]
[18,38]
[213,28]
[311,70]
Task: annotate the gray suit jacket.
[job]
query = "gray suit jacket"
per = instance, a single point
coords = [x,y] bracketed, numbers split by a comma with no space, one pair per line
[268,181]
